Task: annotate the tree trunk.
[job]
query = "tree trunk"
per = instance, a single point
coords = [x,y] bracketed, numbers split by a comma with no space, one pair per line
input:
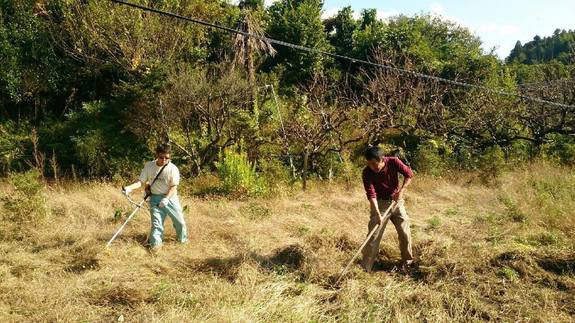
[305,167]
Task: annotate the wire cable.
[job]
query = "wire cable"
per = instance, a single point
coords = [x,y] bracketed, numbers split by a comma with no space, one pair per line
[353,60]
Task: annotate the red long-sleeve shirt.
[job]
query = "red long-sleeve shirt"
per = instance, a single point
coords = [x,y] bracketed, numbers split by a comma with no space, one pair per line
[384,184]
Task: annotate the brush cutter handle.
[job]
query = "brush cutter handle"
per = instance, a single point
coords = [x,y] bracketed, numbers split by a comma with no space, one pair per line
[138,206]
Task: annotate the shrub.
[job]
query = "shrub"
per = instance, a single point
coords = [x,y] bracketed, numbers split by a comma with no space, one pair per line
[275,174]
[27,204]
[562,150]
[13,140]
[492,164]
[427,158]
[202,184]
[238,175]
[92,141]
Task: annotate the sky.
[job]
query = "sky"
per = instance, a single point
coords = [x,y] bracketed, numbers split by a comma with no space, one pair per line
[499,23]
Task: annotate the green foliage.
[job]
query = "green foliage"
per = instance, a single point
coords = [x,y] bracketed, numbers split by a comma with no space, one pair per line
[298,22]
[427,158]
[541,50]
[238,174]
[13,141]
[434,222]
[492,164]
[30,69]
[562,149]
[27,203]
[508,273]
[93,141]
[275,174]
[102,83]
[340,30]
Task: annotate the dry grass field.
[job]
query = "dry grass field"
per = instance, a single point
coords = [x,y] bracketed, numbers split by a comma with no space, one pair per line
[503,252]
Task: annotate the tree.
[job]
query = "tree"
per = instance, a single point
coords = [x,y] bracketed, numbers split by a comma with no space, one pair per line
[543,50]
[33,75]
[340,30]
[323,119]
[298,22]
[202,111]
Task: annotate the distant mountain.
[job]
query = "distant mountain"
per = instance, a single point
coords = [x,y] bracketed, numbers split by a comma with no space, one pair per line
[560,47]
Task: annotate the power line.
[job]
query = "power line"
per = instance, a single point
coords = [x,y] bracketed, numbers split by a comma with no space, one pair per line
[353,60]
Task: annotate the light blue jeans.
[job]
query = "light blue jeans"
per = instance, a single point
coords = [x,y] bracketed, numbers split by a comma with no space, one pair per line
[174,211]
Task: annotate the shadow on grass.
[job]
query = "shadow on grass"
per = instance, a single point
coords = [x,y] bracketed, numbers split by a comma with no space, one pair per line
[290,259]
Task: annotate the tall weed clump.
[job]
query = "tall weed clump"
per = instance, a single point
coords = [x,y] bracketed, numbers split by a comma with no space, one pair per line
[27,203]
[238,175]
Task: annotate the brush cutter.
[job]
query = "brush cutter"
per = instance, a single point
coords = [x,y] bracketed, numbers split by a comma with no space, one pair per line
[137,205]
[386,216]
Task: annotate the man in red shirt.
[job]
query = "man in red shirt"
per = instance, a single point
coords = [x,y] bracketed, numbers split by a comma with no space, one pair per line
[380,179]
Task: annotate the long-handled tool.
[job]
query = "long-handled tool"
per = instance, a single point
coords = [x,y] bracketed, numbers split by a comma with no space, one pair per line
[386,216]
[137,207]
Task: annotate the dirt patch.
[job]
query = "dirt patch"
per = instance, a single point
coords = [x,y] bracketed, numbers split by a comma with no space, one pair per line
[559,266]
[293,257]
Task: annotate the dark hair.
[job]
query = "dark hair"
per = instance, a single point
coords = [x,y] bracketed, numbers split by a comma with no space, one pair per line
[163,149]
[374,153]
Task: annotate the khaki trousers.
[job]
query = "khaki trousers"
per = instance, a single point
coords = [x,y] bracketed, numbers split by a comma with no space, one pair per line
[400,220]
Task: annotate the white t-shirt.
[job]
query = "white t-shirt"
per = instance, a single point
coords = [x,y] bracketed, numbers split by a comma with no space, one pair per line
[170,177]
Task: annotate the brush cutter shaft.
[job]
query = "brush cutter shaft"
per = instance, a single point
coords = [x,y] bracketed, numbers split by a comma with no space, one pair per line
[138,206]
[386,216]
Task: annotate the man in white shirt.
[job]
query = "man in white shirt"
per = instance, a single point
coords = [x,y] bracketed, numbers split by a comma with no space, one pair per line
[161,178]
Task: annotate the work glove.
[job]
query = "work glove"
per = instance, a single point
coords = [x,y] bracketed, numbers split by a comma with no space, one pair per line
[126,190]
[165,201]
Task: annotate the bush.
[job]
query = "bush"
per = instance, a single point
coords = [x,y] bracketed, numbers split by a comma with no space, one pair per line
[562,150]
[27,204]
[275,174]
[427,158]
[238,175]
[94,142]
[13,141]
[201,185]
[492,164]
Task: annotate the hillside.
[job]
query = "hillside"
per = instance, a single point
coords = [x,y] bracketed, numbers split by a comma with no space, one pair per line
[560,46]
[504,253]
